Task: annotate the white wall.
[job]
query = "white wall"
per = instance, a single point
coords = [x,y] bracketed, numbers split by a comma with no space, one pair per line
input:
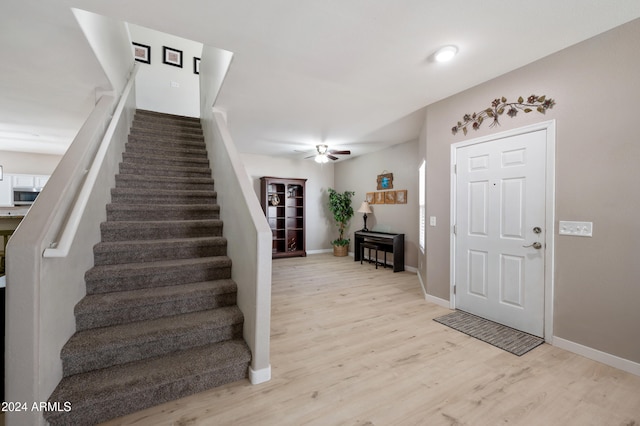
[155,81]
[109,41]
[28,163]
[320,229]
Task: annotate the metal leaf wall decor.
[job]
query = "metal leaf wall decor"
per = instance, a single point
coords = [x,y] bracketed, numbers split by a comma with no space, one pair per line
[499,107]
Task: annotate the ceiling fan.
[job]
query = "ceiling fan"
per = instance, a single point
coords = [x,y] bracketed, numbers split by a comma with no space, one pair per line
[324,154]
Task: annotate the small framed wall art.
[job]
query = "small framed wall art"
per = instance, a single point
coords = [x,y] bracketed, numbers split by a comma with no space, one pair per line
[371,197]
[401,196]
[385,181]
[172,56]
[142,52]
[389,197]
[196,65]
[379,198]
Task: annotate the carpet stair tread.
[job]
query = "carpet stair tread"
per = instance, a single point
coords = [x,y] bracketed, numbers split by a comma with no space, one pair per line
[165,171]
[124,180]
[132,276]
[159,229]
[132,251]
[163,196]
[162,125]
[126,211]
[146,138]
[158,158]
[118,344]
[112,392]
[138,305]
[163,140]
[184,152]
[177,136]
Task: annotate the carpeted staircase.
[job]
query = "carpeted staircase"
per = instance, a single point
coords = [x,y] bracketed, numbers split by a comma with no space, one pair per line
[159,320]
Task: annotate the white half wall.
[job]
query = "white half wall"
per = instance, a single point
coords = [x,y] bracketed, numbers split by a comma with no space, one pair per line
[109,41]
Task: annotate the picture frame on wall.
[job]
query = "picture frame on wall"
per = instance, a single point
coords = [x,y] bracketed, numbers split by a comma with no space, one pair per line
[196,65]
[141,52]
[379,198]
[385,181]
[401,196]
[389,197]
[371,198]
[172,56]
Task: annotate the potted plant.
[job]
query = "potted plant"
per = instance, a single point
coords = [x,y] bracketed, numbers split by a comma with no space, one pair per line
[340,207]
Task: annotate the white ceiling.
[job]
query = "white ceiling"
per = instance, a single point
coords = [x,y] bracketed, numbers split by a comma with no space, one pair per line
[355,74]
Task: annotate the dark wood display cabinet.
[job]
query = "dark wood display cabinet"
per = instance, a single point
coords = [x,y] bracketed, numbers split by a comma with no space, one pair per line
[283,204]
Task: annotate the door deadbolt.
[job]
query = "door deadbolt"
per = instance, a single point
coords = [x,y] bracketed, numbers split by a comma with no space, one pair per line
[537,230]
[535,245]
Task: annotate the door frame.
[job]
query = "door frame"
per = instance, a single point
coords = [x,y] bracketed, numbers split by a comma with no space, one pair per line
[550,128]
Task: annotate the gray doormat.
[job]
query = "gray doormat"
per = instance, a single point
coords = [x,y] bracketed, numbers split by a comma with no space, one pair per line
[503,337]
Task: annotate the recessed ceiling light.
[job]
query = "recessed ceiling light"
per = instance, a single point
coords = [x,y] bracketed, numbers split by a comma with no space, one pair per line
[445,53]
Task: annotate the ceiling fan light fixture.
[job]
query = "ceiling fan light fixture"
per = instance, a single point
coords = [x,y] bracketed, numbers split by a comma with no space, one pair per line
[321,158]
[445,53]
[322,149]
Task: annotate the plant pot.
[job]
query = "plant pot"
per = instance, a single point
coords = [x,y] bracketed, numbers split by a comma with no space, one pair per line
[340,250]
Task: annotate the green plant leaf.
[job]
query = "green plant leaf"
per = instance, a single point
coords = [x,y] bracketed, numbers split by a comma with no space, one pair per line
[520,100]
[541,98]
[528,110]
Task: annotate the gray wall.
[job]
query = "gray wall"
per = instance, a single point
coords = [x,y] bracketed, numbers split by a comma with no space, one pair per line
[596,87]
[359,175]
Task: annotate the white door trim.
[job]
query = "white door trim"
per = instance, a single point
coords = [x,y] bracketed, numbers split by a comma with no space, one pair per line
[550,127]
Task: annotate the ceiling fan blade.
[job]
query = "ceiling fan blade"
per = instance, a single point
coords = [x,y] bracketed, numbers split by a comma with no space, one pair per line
[332,157]
[333,151]
[311,156]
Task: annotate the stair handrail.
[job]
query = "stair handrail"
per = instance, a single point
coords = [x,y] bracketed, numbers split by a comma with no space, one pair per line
[62,247]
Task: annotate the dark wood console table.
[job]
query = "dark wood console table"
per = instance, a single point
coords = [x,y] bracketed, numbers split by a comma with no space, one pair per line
[392,243]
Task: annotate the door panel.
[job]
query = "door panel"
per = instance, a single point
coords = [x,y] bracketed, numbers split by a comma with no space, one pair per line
[500,198]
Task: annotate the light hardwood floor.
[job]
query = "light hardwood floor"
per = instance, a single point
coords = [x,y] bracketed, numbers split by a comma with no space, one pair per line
[352,345]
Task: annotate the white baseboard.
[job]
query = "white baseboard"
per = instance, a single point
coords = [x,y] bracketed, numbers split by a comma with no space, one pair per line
[596,355]
[320,251]
[433,299]
[438,301]
[422,286]
[259,376]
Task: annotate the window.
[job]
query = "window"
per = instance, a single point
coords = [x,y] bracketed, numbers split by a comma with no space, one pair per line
[421,204]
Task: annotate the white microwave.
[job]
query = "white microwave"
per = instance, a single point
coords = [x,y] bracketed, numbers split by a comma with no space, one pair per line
[25,196]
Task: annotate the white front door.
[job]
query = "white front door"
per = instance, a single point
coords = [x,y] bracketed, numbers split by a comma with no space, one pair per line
[500,230]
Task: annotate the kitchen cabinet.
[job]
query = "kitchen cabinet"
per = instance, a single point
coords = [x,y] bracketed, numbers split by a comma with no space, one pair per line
[6,192]
[40,181]
[283,205]
[24,181]
[11,181]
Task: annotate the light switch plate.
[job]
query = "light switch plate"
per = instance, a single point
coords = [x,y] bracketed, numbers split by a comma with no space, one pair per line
[432,220]
[578,229]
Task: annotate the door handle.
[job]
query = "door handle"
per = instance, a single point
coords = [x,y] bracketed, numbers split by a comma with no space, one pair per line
[535,245]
